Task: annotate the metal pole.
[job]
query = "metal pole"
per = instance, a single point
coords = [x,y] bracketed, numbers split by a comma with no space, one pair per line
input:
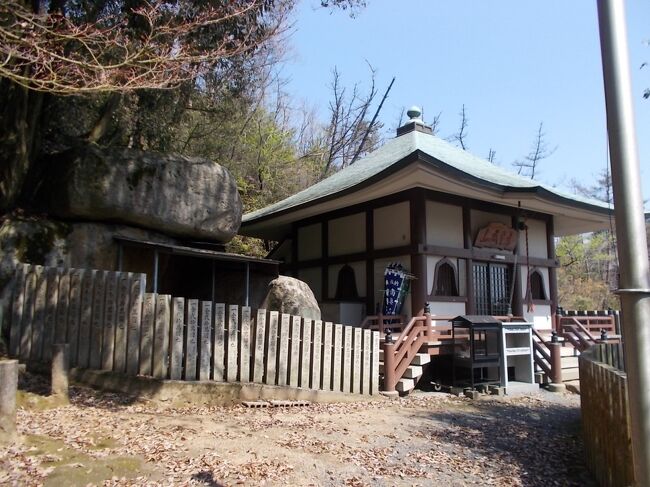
[630,228]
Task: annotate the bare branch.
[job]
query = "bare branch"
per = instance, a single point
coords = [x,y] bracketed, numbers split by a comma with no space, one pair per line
[462,130]
[539,151]
[51,53]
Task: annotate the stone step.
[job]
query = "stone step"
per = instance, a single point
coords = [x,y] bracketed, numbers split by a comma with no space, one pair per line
[541,378]
[413,372]
[421,359]
[405,385]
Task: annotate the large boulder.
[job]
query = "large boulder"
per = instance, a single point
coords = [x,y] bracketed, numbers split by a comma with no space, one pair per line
[291,296]
[50,242]
[171,194]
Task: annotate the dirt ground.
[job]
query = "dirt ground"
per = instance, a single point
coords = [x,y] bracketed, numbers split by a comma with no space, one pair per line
[425,439]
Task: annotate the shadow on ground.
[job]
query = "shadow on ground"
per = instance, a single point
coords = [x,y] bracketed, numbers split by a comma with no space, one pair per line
[539,440]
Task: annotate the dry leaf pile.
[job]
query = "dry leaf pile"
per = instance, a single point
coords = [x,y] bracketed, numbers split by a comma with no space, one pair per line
[424,439]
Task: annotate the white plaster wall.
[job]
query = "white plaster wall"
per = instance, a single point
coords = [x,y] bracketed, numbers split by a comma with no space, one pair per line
[446,309]
[536,239]
[524,280]
[541,317]
[309,242]
[481,219]
[379,266]
[444,224]
[312,276]
[359,269]
[347,235]
[392,226]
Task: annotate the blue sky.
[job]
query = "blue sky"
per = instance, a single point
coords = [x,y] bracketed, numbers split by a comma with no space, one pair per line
[513,63]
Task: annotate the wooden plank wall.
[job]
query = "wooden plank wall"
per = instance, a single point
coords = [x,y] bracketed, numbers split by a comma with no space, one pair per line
[112,324]
[605,416]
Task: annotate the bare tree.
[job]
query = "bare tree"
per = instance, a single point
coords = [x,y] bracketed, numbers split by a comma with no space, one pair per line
[348,123]
[435,124]
[491,154]
[539,151]
[462,130]
[152,45]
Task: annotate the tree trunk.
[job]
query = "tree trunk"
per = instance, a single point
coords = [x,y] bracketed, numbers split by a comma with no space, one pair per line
[19,138]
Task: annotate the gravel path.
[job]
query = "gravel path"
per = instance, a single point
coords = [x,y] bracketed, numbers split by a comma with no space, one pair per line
[425,439]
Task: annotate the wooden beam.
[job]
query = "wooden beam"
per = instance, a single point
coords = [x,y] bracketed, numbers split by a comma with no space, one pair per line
[484,255]
[470,307]
[517,300]
[292,267]
[552,272]
[325,274]
[370,263]
[357,257]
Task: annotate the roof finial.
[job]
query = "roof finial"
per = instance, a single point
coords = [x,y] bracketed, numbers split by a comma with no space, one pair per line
[414,123]
[414,113]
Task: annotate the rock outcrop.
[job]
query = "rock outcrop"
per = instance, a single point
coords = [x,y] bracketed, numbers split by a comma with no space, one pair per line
[170,194]
[292,296]
[62,244]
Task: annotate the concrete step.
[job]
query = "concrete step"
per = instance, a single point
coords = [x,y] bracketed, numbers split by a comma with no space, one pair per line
[420,359]
[405,385]
[541,378]
[568,375]
[413,372]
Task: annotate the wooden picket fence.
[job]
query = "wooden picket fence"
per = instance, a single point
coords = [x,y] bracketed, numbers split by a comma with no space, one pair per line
[605,415]
[111,324]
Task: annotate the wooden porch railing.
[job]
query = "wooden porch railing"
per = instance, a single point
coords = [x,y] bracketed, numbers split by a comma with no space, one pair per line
[381,322]
[548,357]
[399,354]
[593,324]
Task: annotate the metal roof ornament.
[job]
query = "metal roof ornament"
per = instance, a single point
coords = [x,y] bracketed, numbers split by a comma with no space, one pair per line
[415,113]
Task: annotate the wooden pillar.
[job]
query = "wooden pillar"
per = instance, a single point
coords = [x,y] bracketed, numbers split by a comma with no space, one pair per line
[467,244]
[294,250]
[418,222]
[517,301]
[370,265]
[552,271]
[325,277]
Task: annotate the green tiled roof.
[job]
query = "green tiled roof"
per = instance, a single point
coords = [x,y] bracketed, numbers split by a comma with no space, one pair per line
[441,154]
